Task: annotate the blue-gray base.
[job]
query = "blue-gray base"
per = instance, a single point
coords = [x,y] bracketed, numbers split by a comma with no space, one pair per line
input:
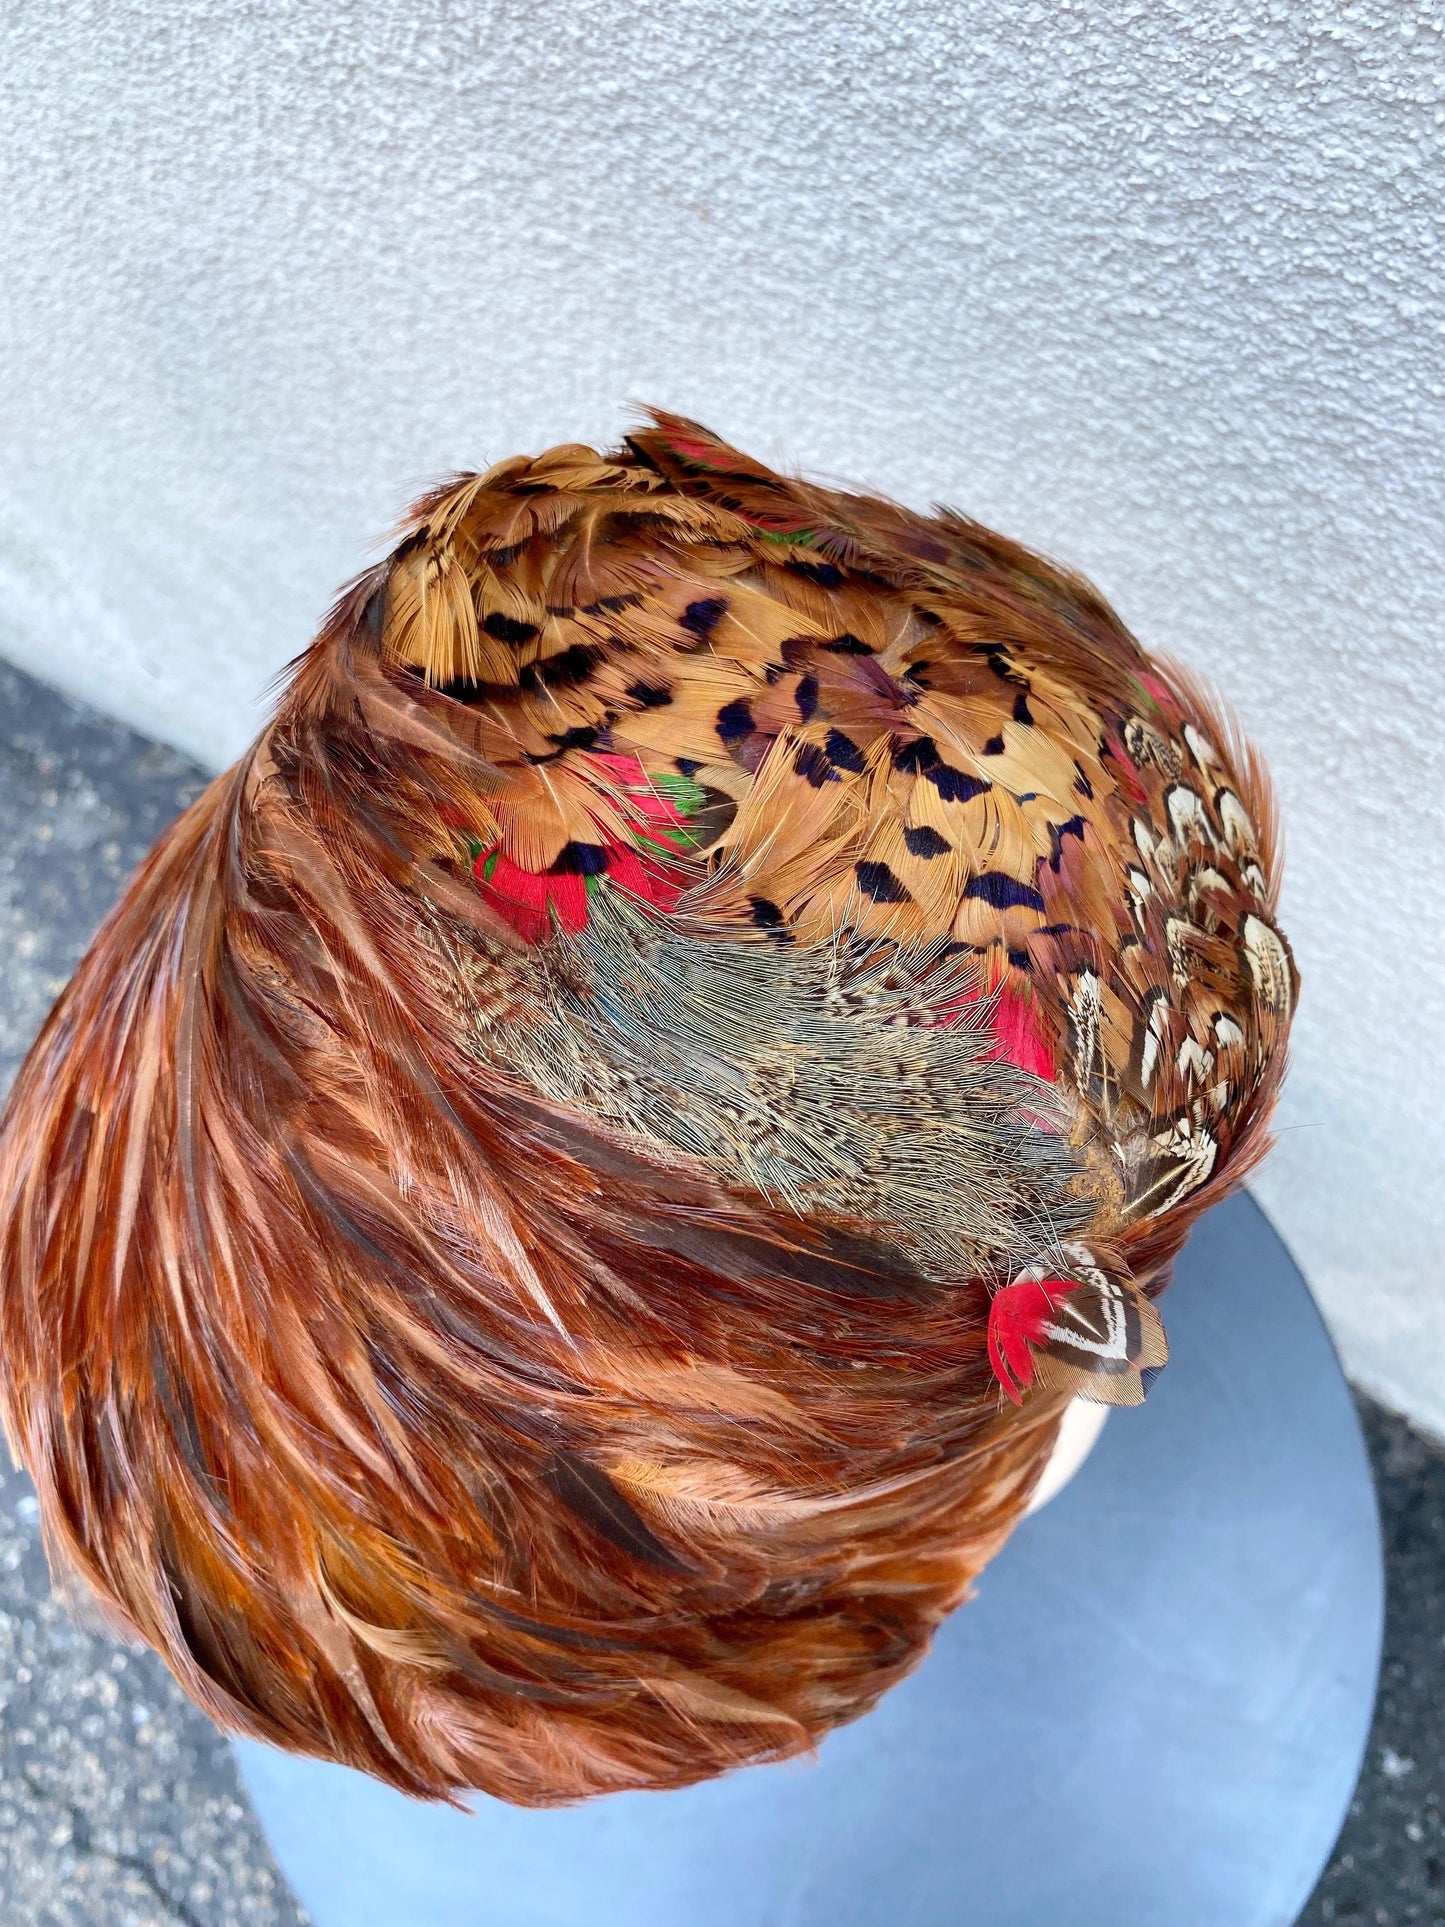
[1152,1715]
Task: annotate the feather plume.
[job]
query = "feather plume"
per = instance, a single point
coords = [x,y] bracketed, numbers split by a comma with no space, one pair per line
[520,1243]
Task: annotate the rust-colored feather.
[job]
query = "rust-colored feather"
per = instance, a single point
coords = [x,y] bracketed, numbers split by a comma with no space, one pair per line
[498,1240]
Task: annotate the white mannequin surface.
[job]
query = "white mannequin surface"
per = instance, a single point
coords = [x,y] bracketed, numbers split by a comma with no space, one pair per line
[1079,1431]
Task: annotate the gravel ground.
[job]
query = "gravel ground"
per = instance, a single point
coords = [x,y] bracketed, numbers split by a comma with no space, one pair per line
[1389,1865]
[119,1802]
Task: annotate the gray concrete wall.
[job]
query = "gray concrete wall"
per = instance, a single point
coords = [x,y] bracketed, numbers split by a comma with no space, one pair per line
[1154,286]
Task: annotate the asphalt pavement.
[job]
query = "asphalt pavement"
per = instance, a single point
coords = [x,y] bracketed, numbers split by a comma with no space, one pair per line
[119,1802]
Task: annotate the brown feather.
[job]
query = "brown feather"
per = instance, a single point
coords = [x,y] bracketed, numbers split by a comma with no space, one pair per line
[550,1356]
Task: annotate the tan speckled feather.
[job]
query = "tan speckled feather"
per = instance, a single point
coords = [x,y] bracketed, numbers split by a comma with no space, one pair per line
[502,1241]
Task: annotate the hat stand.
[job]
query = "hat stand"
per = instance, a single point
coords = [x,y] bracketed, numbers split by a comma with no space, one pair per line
[1154,1710]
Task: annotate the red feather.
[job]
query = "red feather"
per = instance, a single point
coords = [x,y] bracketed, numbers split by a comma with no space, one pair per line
[1016,1321]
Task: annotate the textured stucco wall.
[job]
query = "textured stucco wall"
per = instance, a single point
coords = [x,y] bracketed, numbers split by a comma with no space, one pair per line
[1154,286]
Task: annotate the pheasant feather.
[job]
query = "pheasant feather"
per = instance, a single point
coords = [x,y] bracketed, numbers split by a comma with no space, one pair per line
[545,1245]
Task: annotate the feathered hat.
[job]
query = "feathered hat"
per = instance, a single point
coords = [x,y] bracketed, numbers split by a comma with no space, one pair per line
[547,1241]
